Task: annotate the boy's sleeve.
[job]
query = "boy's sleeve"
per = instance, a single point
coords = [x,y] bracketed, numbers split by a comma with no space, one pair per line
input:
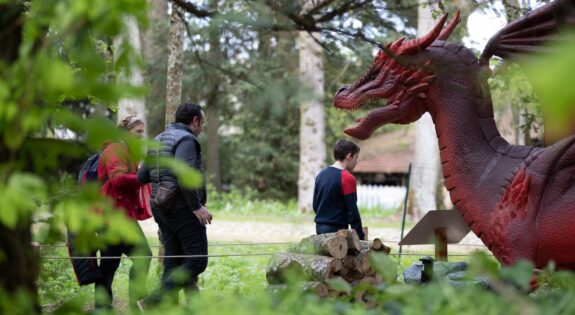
[349,190]
[315,197]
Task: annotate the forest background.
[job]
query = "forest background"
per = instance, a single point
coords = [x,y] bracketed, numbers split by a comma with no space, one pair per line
[71,68]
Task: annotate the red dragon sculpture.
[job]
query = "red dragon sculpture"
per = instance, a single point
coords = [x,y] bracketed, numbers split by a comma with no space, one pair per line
[519,200]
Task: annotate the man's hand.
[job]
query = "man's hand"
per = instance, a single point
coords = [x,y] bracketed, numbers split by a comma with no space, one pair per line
[203,215]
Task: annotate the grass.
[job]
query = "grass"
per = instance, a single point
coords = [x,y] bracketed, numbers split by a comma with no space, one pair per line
[229,275]
[237,285]
[237,206]
[240,275]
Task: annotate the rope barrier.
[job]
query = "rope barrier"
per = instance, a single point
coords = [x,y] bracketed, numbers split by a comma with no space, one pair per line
[151,257]
[258,244]
[213,256]
[211,245]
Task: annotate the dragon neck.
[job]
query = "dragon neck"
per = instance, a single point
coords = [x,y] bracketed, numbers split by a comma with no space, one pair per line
[470,145]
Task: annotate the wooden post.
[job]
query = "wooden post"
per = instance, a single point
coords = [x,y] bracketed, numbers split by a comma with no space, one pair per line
[441,244]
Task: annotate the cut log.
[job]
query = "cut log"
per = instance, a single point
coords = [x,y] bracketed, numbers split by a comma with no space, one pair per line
[310,267]
[365,245]
[352,269]
[353,244]
[329,244]
[318,288]
[363,259]
[377,245]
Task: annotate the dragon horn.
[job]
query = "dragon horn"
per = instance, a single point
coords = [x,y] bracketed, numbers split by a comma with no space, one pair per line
[414,45]
[450,27]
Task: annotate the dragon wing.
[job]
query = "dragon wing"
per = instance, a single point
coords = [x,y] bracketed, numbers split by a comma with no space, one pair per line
[529,33]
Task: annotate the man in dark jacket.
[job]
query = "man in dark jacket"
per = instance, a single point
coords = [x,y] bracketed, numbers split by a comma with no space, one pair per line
[183,226]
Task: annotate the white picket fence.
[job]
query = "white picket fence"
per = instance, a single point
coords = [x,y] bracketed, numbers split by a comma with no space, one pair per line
[384,197]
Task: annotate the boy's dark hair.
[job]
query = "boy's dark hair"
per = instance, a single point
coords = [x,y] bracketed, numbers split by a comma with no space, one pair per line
[186,113]
[342,148]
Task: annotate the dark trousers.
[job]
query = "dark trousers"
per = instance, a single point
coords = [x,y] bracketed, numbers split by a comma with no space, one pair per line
[138,271]
[328,228]
[182,234]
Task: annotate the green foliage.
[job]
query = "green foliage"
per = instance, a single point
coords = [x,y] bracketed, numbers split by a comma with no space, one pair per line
[511,91]
[339,285]
[257,98]
[56,65]
[551,75]
[237,285]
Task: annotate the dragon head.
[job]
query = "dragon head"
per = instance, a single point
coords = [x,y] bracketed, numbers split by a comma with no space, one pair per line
[403,85]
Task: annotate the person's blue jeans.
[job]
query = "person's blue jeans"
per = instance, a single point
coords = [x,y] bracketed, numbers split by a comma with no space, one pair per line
[328,228]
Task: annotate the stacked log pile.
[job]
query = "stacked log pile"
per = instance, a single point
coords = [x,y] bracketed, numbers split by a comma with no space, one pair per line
[318,258]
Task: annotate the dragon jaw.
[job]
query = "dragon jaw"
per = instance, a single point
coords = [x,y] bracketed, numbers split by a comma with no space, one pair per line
[404,87]
[401,90]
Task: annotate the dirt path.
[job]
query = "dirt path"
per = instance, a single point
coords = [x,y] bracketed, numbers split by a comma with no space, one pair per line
[266,232]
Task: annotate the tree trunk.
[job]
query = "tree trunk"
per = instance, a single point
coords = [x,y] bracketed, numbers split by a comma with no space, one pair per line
[329,244]
[19,268]
[312,119]
[154,43]
[130,106]
[175,63]
[426,152]
[213,108]
[157,13]
[310,267]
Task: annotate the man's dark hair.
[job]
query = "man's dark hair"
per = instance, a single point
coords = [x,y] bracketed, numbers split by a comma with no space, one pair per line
[342,148]
[186,113]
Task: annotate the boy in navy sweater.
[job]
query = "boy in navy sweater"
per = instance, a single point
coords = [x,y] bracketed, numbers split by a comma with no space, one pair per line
[335,196]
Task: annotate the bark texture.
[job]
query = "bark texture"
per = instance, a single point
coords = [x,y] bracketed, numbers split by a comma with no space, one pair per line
[175,63]
[213,108]
[312,114]
[353,243]
[329,244]
[155,52]
[426,172]
[131,106]
[310,267]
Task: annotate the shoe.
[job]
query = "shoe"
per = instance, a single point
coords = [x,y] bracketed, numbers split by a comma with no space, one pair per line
[141,305]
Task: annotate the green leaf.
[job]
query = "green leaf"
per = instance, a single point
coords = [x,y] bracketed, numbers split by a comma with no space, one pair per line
[481,264]
[189,177]
[384,266]
[520,273]
[339,285]
[552,78]
[20,197]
